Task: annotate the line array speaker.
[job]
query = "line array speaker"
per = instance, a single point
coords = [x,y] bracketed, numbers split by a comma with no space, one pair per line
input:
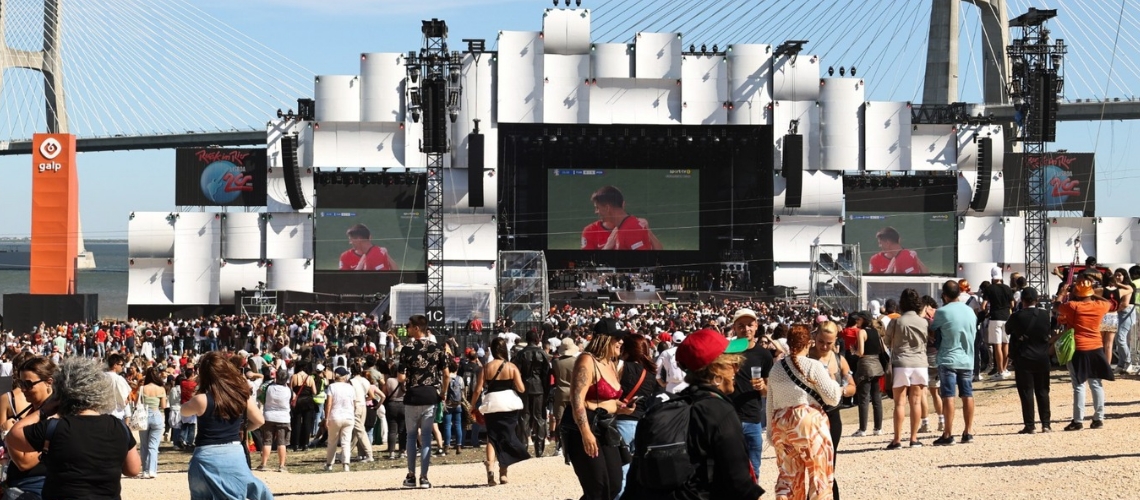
[292,172]
[793,170]
[985,173]
[475,148]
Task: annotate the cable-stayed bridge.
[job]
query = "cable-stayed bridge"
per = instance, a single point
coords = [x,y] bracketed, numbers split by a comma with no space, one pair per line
[129,74]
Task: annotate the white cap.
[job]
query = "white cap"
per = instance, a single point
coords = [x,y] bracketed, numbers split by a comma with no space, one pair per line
[744,313]
[995,273]
[678,337]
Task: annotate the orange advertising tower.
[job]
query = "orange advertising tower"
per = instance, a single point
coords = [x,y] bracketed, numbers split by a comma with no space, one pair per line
[55,214]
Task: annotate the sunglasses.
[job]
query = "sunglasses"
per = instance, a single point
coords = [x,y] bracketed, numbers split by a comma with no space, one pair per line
[26,385]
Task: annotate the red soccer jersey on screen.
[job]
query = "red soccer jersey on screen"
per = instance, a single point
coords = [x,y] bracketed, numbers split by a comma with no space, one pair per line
[632,235]
[906,262]
[375,259]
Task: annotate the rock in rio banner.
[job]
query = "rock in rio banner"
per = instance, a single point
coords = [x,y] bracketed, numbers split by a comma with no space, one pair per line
[55,214]
[220,177]
[1069,182]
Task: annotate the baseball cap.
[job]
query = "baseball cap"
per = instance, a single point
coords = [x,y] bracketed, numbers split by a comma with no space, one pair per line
[665,337]
[1029,294]
[995,273]
[320,367]
[744,313]
[678,337]
[609,326]
[341,371]
[703,346]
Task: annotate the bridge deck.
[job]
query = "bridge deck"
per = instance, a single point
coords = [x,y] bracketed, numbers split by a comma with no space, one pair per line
[137,142]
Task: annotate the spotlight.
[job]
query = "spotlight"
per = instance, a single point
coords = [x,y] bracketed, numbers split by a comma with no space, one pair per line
[853,71]
[454,73]
[715,49]
[415,116]
[692,49]
[842,71]
[704,50]
[453,115]
[415,74]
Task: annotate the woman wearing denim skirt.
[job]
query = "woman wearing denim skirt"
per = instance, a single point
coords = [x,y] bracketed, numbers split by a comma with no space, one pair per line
[218,469]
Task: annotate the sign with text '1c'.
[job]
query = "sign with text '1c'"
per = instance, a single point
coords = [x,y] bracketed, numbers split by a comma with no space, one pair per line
[435,315]
[220,177]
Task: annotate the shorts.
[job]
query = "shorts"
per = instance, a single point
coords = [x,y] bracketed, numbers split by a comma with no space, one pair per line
[932,377]
[952,378]
[995,332]
[904,377]
[274,434]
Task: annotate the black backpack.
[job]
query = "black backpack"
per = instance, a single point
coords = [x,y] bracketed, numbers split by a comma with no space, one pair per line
[661,462]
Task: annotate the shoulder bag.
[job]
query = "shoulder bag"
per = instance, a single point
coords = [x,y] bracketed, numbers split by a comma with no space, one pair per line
[499,401]
[809,390]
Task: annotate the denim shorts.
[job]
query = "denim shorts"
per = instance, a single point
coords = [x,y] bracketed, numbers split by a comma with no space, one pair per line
[951,378]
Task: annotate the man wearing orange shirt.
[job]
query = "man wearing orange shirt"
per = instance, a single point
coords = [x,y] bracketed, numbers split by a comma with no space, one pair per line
[363,255]
[1083,313]
[615,229]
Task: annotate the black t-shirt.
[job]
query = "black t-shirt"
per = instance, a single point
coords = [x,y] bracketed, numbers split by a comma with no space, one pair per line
[630,374]
[745,398]
[86,456]
[999,296]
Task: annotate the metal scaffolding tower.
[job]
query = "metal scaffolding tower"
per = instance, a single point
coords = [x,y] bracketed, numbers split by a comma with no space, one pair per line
[434,90]
[1036,85]
[836,278]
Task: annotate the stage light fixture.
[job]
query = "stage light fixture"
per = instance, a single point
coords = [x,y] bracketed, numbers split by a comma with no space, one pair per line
[715,49]
[692,49]
[704,49]
[842,71]
[454,73]
[414,74]
[830,71]
[853,71]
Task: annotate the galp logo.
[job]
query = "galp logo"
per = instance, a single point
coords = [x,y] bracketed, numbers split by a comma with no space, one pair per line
[49,150]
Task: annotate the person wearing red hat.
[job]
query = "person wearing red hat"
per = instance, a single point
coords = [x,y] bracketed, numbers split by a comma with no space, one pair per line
[716,434]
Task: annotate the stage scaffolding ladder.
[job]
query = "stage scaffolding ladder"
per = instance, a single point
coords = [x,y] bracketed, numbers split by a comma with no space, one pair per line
[524,288]
[260,303]
[836,277]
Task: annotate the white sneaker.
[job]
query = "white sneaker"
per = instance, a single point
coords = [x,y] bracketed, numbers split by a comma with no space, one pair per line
[1133,369]
[877,432]
[859,434]
[346,467]
[1006,375]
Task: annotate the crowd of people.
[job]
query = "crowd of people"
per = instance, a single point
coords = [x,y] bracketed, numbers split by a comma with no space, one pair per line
[642,401]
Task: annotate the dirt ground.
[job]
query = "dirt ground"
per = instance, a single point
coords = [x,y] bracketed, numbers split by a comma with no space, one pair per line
[999,464]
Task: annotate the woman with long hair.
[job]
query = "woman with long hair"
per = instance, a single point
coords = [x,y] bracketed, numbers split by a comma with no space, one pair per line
[340,417]
[595,394]
[824,350]
[906,338]
[1084,313]
[153,396]
[275,433]
[305,410]
[1117,288]
[798,390]
[394,392]
[86,451]
[868,373]
[218,468]
[498,377]
[638,373]
[26,473]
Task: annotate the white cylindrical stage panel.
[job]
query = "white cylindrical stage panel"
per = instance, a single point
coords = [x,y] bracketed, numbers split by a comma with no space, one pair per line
[242,236]
[478,101]
[567,31]
[337,98]
[704,90]
[196,280]
[1014,230]
[795,78]
[238,274]
[150,234]
[382,87]
[657,56]
[288,236]
[750,84]
[520,95]
[966,182]
[197,236]
[566,96]
[1064,233]
[822,194]
[150,281]
[803,117]
[886,135]
[290,274]
[840,122]
[795,234]
[933,147]
[981,239]
[612,60]
[470,238]
[1117,239]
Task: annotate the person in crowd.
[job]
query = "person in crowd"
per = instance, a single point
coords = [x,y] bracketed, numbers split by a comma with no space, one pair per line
[866,349]
[669,374]
[1029,332]
[116,364]
[152,395]
[534,364]
[823,349]
[906,339]
[187,388]
[33,377]
[394,411]
[955,326]
[275,432]
[799,390]
[1118,290]
[999,302]
[339,418]
[453,410]
[1084,312]
[750,383]
[716,444]
[635,369]
[595,394]
[1125,319]
[218,468]
[361,389]
[303,409]
[86,452]
[563,373]
[12,403]
[499,385]
[423,370]
[929,306]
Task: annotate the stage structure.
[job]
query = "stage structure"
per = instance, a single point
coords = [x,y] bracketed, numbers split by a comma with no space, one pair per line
[836,279]
[524,293]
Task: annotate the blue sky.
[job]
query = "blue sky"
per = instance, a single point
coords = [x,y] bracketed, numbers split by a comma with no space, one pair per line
[327,38]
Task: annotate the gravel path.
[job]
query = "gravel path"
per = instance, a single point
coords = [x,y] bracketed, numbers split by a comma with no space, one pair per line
[999,464]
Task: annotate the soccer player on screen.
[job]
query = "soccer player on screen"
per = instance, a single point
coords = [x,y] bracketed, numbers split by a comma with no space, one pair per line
[615,229]
[894,259]
[363,255]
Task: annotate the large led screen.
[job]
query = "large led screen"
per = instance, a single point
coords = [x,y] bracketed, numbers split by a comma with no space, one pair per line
[371,239]
[1069,182]
[623,209]
[220,177]
[904,243]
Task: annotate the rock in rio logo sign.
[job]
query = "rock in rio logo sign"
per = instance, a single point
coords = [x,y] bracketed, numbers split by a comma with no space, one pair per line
[49,150]
[1060,185]
[224,179]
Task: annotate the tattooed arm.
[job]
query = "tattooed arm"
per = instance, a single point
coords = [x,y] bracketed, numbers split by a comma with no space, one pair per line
[583,375]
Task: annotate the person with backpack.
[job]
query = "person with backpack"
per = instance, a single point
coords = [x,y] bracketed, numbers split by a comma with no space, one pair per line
[453,413]
[534,365]
[692,444]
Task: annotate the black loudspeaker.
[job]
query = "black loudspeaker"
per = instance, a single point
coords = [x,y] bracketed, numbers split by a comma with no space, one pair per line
[985,173]
[23,311]
[435,115]
[292,172]
[1043,110]
[793,170]
[475,149]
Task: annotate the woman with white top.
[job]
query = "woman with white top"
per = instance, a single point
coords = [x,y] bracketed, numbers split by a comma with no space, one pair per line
[339,417]
[798,390]
[275,431]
